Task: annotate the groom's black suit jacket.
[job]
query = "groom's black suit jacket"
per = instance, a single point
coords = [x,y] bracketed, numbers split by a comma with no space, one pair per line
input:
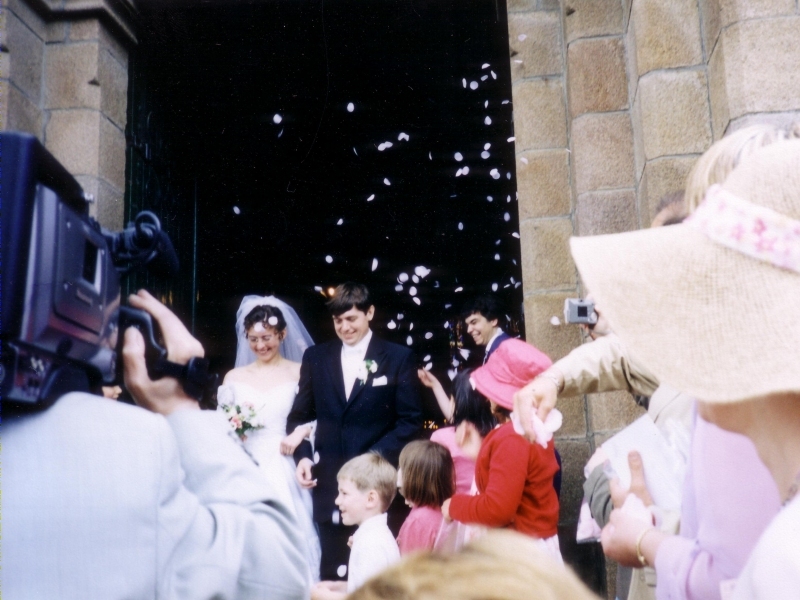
[381,418]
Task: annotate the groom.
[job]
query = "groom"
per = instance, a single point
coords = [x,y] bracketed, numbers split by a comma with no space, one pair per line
[362,391]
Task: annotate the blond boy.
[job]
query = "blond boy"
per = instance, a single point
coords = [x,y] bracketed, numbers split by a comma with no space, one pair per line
[367,485]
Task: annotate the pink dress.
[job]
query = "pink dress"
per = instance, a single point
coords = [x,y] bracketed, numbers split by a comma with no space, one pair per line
[420,529]
[465,467]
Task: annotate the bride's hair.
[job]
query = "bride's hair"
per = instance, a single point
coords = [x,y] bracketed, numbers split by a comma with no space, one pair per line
[270,316]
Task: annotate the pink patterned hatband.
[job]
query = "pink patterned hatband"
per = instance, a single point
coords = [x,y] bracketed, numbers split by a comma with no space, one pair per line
[752,229]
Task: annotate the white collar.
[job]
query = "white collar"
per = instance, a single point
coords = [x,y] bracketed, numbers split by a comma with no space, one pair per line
[360,347]
[497,334]
[371,524]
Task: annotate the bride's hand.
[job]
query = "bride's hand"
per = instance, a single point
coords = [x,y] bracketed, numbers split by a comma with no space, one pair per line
[290,443]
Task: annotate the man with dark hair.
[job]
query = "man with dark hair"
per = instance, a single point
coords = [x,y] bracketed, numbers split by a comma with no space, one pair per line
[362,392]
[481,316]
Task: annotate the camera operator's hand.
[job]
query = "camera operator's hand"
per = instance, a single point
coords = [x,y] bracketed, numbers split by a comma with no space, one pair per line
[166,394]
[541,394]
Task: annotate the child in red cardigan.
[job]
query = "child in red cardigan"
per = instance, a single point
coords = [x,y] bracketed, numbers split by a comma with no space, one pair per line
[514,478]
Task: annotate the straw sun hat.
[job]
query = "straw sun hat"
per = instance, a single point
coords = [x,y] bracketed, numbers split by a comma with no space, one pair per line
[712,306]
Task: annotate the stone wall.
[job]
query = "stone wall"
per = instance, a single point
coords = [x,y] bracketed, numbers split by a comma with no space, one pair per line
[610,122]
[64,79]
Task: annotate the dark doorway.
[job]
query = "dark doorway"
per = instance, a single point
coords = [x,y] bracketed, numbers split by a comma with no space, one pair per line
[259,131]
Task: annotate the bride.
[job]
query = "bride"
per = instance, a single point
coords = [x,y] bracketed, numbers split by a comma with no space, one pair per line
[272,340]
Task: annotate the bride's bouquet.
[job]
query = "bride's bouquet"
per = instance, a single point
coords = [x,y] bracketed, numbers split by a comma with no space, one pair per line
[242,417]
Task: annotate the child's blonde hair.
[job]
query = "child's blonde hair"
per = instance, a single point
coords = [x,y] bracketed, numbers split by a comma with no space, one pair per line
[502,565]
[427,473]
[372,472]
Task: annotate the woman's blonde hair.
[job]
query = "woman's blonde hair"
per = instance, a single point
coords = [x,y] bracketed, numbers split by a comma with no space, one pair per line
[723,156]
[502,565]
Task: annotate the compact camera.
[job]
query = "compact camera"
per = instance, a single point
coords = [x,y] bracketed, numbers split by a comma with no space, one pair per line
[62,322]
[579,311]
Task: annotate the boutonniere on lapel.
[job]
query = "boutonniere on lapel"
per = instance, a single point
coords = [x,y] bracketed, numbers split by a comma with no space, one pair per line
[365,368]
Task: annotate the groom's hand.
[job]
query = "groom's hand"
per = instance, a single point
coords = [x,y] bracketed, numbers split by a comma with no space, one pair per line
[304,475]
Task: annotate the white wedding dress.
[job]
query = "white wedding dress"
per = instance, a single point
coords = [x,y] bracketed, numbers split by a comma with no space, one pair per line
[272,407]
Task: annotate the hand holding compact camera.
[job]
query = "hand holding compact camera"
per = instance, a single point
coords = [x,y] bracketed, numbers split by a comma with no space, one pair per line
[580,312]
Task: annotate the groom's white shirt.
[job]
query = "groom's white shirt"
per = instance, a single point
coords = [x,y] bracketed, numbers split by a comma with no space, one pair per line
[352,359]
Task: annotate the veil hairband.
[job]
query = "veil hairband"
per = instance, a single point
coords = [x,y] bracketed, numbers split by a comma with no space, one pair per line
[748,228]
[297,338]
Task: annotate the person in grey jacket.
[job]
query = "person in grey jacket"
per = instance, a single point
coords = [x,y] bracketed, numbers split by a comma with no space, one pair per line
[107,500]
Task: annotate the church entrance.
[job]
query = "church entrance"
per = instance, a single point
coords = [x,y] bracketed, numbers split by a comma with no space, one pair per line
[291,146]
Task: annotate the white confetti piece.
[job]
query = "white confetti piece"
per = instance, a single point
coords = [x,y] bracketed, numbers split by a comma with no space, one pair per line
[497,243]
[427,358]
[455,362]
[495,174]
[317,288]
[508,175]
[465,170]
[486,104]
[494,287]
[464,82]
[391,325]
[458,156]
[259,326]
[505,102]
[485,66]
[409,340]
[524,160]
[554,320]
[461,227]
[316,457]
[381,147]
[402,278]
[371,198]
[459,173]
[415,279]
[514,260]
[386,181]
[430,157]
[485,155]
[398,288]
[519,62]
[473,85]
[422,271]
[515,234]
[459,289]
[374,263]
[489,198]
[487,121]
[350,107]
[428,335]
[428,366]
[497,257]
[516,285]
[411,327]
[506,217]
[412,290]
[513,280]
[281,133]
[447,323]
[484,78]
[508,199]
[400,316]
[522,37]
[236,210]
[277,118]
[417,301]
[451,374]
[494,75]
[329,259]
[486,146]
[342,570]
[340,221]
[402,136]
[448,305]
[511,139]
[464,352]
[354,151]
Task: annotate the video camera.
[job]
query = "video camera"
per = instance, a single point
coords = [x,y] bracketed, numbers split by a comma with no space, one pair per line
[62,323]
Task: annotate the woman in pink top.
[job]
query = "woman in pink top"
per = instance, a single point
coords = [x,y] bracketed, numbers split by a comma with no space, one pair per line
[426,479]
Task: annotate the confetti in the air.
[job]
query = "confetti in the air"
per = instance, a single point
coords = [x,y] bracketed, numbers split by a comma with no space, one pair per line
[486,104]
[554,320]
[459,289]
[386,181]
[504,102]
[473,85]
[371,198]
[427,358]
[400,316]
[508,199]
[236,210]
[522,37]
[317,288]
[515,234]
[464,82]
[415,279]
[465,170]
[417,301]
[485,155]
[494,287]
[277,118]
[409,341]
[511,139]
[412,290]
[461,227]
[340,221]
[382,146]
[508,175]
[342,570]
[422,271]
[402,278]
[495,174]
[487,120]
[524,160]
[430,157]
[391,325]
[374,263]
[494,75]
[354,151]
[506,217]
[519,62]
[451,374]
[458,156]
[281,133]
[411,327]
[402,136]
[464,352]
[497,257]
[398,288]
[447,323]
[484,78]
[486,146]
[351,107]
[489,198]
[329,259]
[459,173]
[485,66]
[428,366]
[428,335]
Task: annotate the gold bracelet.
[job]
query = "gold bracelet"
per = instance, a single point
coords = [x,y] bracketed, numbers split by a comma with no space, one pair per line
[642,560]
